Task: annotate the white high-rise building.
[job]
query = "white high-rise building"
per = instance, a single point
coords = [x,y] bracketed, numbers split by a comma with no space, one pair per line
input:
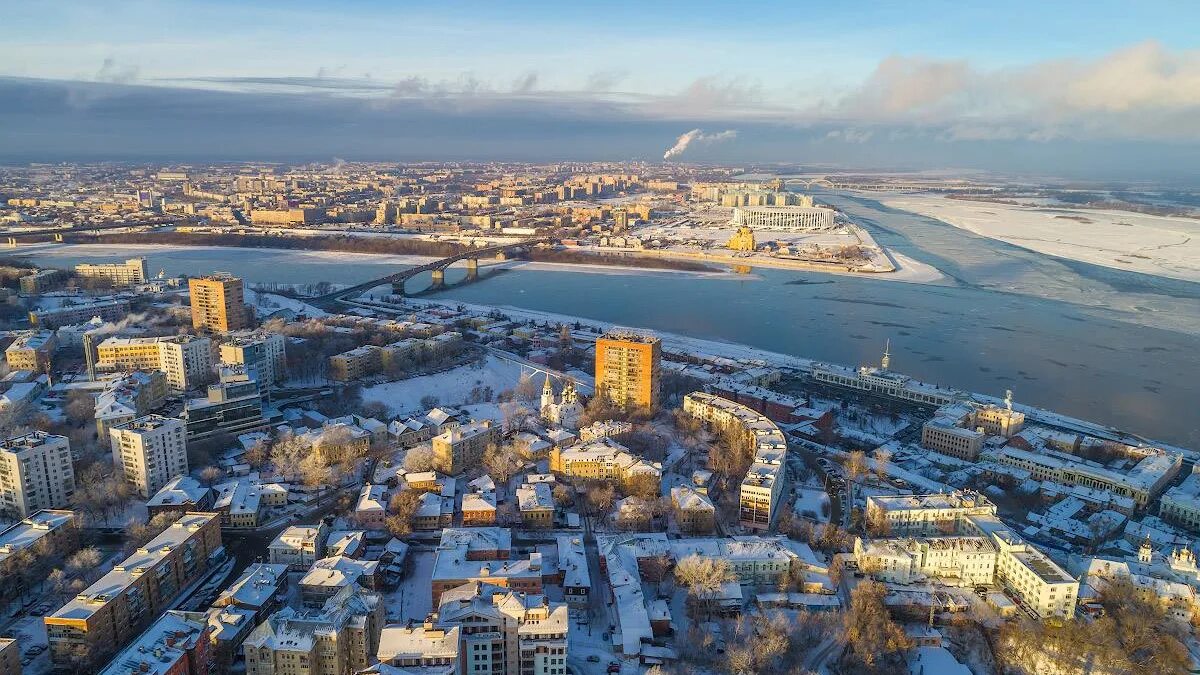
[150,450]
[35,473]
[259,351]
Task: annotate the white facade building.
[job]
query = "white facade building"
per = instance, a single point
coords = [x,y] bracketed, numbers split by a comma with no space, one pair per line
[260,351]
[150,451]
[35,473]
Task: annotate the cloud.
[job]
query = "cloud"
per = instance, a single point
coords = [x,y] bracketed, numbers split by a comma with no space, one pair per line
[525,83]
[111,71]
[605,80]
[697,136]
[54,120]
[1144,91]
[850,135]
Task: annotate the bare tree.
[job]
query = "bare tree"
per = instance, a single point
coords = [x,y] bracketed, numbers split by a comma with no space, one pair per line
[401,508]
[419,458]
[856,465]
[502,463]
[287,452]
[211,474]
[883,459]
[516,417]
[526,389]
[703,577]
[869,629]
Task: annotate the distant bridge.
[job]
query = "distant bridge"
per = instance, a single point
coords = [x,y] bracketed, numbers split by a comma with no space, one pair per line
[58,232]
[437,267]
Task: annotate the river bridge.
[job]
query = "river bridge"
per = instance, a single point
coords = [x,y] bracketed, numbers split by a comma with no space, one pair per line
[437,267]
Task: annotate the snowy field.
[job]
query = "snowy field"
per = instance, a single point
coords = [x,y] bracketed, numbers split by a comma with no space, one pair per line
[1159,245]
[451,387]
[267,303]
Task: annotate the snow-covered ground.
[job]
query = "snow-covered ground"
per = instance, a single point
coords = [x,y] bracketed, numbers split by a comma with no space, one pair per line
[267,303]
[412,599]
[451,387]
[1159,245]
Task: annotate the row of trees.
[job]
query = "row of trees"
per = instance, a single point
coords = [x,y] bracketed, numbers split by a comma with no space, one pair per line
[1134,635]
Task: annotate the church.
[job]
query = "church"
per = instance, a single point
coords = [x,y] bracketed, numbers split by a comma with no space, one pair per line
[567,412]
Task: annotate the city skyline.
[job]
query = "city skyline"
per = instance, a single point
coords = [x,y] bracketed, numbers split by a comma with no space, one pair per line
[1108,94]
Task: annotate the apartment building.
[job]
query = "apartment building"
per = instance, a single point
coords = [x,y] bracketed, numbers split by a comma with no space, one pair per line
[149,451]
[186,360]
[35,473]
[418,648]
[467,554]
[107,615]
[602,459]
[927,515]
[536,504]
[627,369]
[129,273]
[67,315]
[218,303]
[177,643]
[341,637]
[53,531]
[463,447]
[356,363]
[953,560]
[31,351]
[260,352]
[761,489]
[180,494]
[1026,574]
[261,589]
[41,280]
[329,575]
[500,631]
[127,397]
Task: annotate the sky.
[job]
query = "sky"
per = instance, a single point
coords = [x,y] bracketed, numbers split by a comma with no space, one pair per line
[1096,89]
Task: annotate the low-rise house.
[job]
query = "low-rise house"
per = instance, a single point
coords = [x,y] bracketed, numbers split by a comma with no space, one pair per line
[327,576]
[239,502]
[479,509]
[536,503]
[260,589]
[694,511]
[298,546]
[181,493]
[371,509]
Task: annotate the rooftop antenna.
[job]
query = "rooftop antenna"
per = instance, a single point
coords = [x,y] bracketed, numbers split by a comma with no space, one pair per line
[887,355]
[1008,399]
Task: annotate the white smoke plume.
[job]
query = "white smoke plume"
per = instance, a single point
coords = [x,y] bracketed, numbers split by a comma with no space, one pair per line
[697,136]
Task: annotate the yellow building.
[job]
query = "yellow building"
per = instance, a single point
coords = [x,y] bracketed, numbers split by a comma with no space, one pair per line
[742,240]
[627,368]
[32,351]
[218,303]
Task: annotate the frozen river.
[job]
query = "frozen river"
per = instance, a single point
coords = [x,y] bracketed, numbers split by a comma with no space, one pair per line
[1109,346]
